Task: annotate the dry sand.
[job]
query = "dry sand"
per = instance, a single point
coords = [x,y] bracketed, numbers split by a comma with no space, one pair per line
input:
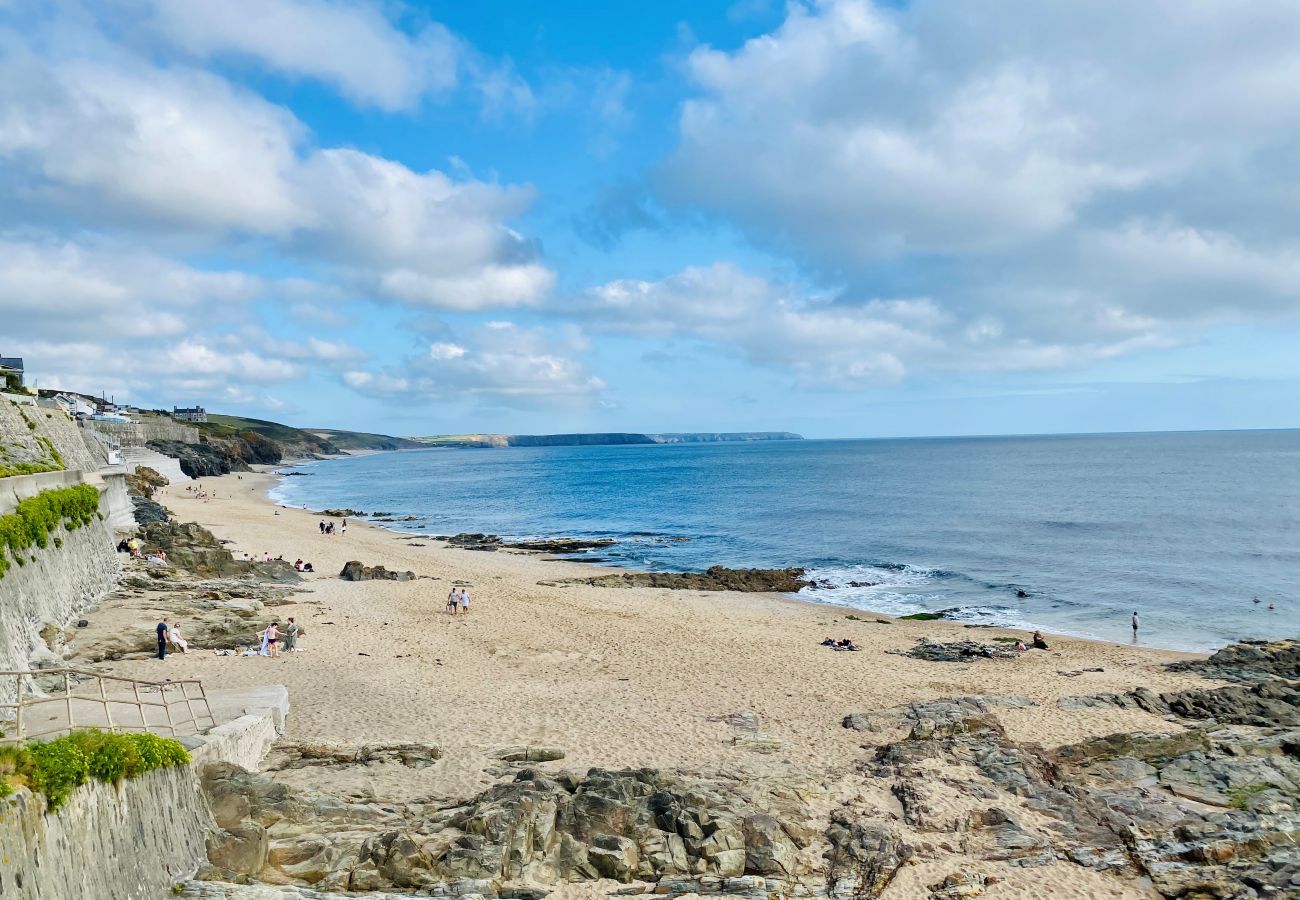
[615,677]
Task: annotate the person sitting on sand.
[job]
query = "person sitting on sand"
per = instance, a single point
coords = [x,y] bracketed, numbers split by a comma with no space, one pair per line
[306,567]
[452,602]
[297,565]
[174,635]
[1037,642]
[829,642]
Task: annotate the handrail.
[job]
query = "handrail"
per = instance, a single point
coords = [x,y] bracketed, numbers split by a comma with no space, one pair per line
[191,710]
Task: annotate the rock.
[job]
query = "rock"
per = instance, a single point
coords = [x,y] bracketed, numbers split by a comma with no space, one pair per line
[353,570]
[1249,661]
[957,651]
[716,578]
[341,513]
[859,722]
[528,754]
[148,512]
[240,849]
[743,720]
[83,623]
[862,858]
[962,884]
[298,756]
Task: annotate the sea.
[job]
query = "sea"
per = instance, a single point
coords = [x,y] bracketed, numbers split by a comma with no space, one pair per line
[1187,529]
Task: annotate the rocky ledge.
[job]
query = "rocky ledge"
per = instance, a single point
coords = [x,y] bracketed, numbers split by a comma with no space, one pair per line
[353,570]
[715,578]
[491,542]
[1208,807]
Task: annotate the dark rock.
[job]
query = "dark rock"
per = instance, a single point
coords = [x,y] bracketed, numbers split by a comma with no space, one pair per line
[82,623]
[1249,661]
[353,570]
[148,511]
[958,651]
[716,578]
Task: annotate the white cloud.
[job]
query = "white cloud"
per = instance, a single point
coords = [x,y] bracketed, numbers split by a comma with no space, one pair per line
[499,363]
[130,145]
[352,46]
[1096,180]
[829,342]
[104,290]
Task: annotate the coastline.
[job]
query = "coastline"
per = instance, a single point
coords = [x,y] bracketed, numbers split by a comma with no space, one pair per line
[598,567]
[614,676]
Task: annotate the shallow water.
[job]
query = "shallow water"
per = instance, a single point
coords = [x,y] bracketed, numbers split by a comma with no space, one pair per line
[1185,528]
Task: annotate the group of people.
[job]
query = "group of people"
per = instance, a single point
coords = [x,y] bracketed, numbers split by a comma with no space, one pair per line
[842,644]
[136,548]
[458,599]
[270,641]
[328,528]
[196,490]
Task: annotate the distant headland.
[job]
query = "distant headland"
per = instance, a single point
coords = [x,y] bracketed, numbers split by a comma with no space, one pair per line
[602,439]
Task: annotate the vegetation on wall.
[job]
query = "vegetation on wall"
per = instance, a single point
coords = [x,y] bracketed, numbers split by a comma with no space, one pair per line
[33,522]
[50,461]
[56,768]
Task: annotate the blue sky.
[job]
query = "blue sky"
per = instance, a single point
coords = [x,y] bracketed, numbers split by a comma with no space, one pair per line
[837,217]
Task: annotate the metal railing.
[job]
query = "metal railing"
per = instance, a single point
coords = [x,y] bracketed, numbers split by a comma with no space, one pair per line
[167,707]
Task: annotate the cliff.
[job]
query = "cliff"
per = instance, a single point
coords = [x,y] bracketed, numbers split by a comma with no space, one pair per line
[602,439]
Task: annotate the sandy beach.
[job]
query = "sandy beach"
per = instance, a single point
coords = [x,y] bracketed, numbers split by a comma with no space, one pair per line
[615,677]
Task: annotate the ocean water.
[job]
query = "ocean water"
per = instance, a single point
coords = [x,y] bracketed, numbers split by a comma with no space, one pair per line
[1185,528]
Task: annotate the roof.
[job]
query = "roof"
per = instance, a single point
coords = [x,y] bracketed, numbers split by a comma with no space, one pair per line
[11,362]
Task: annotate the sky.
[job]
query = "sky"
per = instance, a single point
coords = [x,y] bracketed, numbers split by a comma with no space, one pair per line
[842,218]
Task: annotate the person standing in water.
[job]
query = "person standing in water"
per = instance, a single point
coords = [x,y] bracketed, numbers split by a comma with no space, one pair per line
[1135,626]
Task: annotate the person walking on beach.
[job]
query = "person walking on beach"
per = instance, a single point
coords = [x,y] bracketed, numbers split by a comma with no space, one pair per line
[344,529]
[322,526]
[1135,626]
[464,601]
[162,639]
[451,601]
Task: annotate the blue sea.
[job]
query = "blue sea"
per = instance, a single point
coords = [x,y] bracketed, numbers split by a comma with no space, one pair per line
[1185,528]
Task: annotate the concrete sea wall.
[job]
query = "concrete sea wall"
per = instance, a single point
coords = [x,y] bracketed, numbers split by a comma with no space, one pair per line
[132,841]
[137,434]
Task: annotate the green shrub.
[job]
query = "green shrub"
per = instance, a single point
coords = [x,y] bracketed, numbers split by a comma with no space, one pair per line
[36,517]
[58,767]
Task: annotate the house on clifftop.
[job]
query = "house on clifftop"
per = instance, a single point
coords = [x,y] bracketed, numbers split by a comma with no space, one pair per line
[11,370]
[189,414]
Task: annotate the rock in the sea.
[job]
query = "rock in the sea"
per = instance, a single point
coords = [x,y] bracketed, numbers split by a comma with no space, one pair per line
[715,578]
[353,570]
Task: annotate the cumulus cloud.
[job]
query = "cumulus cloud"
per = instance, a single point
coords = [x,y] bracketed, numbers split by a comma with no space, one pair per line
[827,341]
[352,46]
[496,363]
[1094,180]
[103,290]
[127,144]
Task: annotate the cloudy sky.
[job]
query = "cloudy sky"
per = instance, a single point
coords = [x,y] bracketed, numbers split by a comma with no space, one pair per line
[838,217]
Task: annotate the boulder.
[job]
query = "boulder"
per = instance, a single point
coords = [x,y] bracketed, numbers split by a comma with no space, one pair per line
[353,570]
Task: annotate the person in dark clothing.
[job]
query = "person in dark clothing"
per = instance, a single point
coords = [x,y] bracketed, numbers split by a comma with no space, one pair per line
[162,640]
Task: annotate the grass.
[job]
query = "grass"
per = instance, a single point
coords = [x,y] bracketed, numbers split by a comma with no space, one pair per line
[57,768]
[36,517]
[1240,796]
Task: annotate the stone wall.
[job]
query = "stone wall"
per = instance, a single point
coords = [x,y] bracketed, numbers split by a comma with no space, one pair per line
[130,842]
[134,841]
[59,584]
[18,440]
[148,428]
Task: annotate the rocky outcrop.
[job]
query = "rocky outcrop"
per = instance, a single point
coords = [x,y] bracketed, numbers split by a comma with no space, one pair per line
[490,542]
[288,755]
[716,578]
[683,834]
[353,570]
[959,651]
[200,460]
[1249,661]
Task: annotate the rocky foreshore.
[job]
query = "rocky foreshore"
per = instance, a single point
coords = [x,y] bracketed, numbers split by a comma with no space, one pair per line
[1208,809]
[715,578]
